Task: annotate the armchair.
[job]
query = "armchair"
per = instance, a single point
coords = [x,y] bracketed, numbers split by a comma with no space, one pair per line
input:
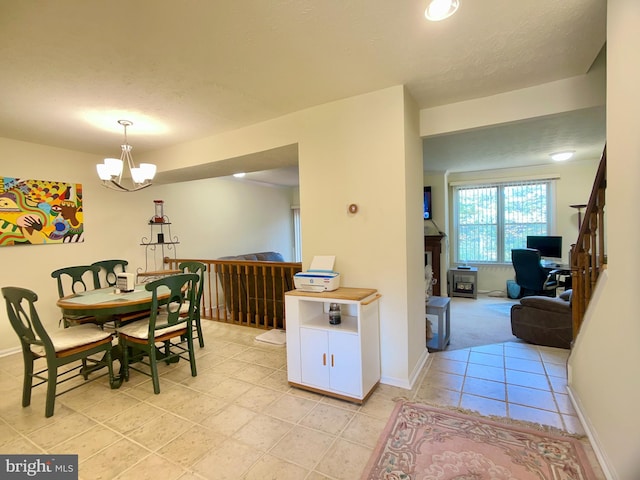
[544,321]
[532,278]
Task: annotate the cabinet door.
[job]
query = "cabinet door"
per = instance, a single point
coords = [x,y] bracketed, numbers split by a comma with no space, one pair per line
[314,357]
[345,364]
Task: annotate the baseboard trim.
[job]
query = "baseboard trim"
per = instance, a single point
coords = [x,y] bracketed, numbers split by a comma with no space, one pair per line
[10,351]
[410,382]
[592,435]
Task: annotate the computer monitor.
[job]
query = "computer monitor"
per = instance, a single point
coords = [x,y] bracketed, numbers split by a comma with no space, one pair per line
[549,246]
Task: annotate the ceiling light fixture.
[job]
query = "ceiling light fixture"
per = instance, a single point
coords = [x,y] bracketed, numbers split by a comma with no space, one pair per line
[239,174]
[441,9]
[110,172]
[562,156]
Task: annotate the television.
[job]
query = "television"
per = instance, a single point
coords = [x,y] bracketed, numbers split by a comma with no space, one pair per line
[427,203]
[549,246]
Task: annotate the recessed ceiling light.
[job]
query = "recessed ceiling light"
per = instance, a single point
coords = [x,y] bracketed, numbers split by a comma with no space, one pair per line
[562,156]
[441,9]
[239,174]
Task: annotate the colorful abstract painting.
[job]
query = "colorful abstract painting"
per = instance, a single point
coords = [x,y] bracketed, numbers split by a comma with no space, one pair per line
[38,212]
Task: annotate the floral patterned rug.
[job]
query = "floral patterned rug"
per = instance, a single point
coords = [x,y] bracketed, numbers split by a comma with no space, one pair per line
[421,442]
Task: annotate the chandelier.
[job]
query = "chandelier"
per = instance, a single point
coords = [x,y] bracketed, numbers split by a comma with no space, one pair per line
[110,172]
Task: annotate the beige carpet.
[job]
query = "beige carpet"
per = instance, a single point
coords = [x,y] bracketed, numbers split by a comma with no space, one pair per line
[421,442]
[480,321]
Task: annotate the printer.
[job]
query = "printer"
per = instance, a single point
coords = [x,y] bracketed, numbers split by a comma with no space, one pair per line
[320,277]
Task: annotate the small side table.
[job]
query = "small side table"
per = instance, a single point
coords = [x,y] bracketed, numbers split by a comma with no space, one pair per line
[463,282]
[440,306]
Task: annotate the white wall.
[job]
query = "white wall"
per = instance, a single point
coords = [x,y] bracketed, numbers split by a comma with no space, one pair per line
[415,238]
[219,217]
[604,363]
[208,217]
[357,148]
[575,93]
[352,151]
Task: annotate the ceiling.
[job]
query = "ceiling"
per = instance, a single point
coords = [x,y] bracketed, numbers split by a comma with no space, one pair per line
[519,144]
[185,70]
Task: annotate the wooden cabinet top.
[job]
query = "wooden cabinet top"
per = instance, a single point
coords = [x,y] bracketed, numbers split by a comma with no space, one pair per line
[342,293]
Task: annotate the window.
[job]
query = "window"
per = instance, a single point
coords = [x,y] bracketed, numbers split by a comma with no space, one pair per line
[491,219]
[297,239]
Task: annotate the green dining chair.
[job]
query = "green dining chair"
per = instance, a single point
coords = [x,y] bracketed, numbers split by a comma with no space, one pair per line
[107,275]
[168,327]
[58,348]
[198,268]
[76,279]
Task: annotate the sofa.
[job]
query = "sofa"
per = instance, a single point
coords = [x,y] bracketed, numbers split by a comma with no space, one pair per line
[544,320]
[255,297]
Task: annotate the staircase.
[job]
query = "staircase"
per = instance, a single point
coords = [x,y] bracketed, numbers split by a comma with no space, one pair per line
[588,257]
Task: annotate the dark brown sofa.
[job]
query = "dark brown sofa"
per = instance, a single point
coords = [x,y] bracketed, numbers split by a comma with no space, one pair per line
[254,294]
[543,320]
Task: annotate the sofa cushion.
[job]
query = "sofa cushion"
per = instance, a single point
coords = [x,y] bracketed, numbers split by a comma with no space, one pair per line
[270,257]
[260,256]
[546,303]
[566,295]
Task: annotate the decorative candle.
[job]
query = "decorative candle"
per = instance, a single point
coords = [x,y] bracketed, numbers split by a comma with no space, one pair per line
[159,216]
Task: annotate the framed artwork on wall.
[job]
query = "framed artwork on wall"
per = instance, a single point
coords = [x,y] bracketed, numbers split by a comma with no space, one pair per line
[40,212]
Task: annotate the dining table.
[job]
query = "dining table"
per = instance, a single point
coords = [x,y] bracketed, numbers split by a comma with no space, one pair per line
[112,305]
[108,303]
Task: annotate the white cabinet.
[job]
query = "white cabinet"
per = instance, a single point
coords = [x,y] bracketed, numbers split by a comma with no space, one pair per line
[339,360]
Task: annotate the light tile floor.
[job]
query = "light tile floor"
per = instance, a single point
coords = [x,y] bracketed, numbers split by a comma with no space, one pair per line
[512,379]
[239,418]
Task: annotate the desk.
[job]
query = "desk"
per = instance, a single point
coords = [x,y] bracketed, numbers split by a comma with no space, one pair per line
[555,266]
[440,306]
[562,270]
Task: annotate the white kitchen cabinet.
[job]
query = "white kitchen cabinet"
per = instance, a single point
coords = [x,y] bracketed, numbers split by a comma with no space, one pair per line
[338,360]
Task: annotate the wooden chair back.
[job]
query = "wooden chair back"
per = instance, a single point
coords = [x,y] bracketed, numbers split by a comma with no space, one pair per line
[199,269]
[75,279]
[107,275]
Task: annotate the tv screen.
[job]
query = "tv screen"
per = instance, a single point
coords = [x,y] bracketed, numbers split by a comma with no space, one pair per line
[427,203]
[549,246]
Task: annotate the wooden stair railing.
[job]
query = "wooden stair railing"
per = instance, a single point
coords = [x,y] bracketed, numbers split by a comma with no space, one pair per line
[588,257]
[247,293]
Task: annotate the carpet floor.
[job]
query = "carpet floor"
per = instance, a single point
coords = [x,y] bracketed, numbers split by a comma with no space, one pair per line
[421,442]
[482,321]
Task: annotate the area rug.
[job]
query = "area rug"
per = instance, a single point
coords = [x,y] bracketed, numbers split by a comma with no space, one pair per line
[273,336]
[425,443]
